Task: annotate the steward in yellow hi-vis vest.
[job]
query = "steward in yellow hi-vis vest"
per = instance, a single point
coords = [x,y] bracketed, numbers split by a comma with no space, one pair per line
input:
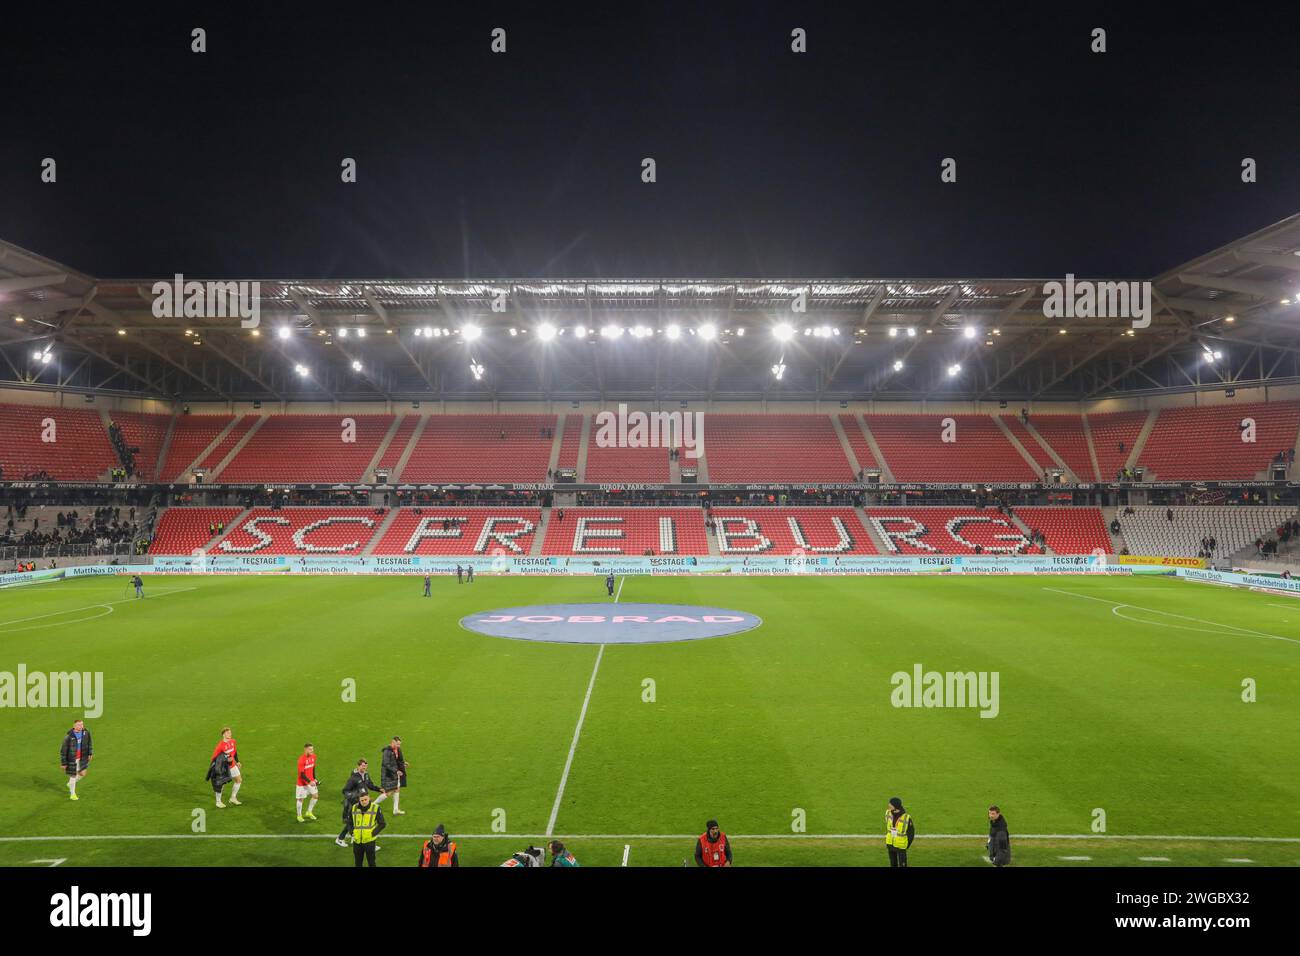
[367,823]
[899,832]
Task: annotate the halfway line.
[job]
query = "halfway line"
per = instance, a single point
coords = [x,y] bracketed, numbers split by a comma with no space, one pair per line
[582,715]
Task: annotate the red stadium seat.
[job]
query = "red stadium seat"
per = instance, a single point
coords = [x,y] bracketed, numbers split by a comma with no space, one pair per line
[1065,435]
[309,448]
[1188,444]
[80,450]
[939,530]
[1109,430]
[626,531]
[192,434]
[780,447]
[465,448]
[146,432]
[914,448]
[184,530]
[468,531]
[302,531]
[786,531]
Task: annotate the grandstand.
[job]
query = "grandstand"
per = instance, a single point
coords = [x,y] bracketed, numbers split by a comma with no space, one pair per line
[1048,438]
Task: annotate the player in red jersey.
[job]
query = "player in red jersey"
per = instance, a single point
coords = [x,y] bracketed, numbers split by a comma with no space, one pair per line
[227,746]
[307,782]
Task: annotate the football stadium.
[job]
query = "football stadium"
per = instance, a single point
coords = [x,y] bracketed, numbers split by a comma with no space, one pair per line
[605,560]
[810,440]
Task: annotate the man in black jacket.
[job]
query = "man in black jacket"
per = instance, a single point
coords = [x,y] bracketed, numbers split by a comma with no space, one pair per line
[357,784]
[392,772]
[999,838]
[219,773]
[74,755]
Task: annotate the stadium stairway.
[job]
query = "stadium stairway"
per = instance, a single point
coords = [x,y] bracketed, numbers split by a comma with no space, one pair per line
[1017,445]
[846,445]
[1070,473]
[107,420]
[701,465]
[1117,542]
[1141,442]
[231,525]
[583,445]
[239,446]
[1019,522]
[165,448]
[1092,450]
[384,442]
[410,447]
[885,474]
[876,540]
[382,530]
[554,461]
[188,470]
[540,534]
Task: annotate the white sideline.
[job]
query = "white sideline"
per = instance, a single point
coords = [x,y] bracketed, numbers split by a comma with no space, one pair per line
[582,715]
[1150,610]
[652,836]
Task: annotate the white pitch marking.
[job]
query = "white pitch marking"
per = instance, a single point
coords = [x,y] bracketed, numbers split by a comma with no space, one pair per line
[1154,859]
[87,607]
[573,747]
[1237,859]
[1072,858]
[1150,610]
[62,859]
[619,594]
[652,836]
[627,848]
[36,627]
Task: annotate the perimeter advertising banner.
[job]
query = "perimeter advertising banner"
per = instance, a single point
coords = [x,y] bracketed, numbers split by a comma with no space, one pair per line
[1262,582]
[658,566]
[1138,559]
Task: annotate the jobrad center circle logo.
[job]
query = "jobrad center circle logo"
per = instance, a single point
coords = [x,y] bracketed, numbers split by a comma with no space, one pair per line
[610,623]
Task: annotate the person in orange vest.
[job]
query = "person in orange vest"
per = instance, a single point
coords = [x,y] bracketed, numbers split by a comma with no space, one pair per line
[438,850]
[712,848]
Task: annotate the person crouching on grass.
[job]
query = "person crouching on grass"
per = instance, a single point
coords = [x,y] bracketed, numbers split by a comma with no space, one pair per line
[560,856]
[75,754]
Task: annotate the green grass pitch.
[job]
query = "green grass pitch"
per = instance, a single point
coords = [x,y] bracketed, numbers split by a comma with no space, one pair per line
[1124,695]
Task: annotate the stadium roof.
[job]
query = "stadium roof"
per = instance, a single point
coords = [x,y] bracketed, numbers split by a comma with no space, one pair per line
[411,339]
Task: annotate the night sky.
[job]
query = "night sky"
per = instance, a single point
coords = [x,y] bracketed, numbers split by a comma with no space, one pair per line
[769,163]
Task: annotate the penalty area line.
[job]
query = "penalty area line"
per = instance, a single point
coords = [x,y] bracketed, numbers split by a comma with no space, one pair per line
[1116,605]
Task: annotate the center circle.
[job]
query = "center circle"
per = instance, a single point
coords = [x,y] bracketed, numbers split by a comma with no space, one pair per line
[610,623]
